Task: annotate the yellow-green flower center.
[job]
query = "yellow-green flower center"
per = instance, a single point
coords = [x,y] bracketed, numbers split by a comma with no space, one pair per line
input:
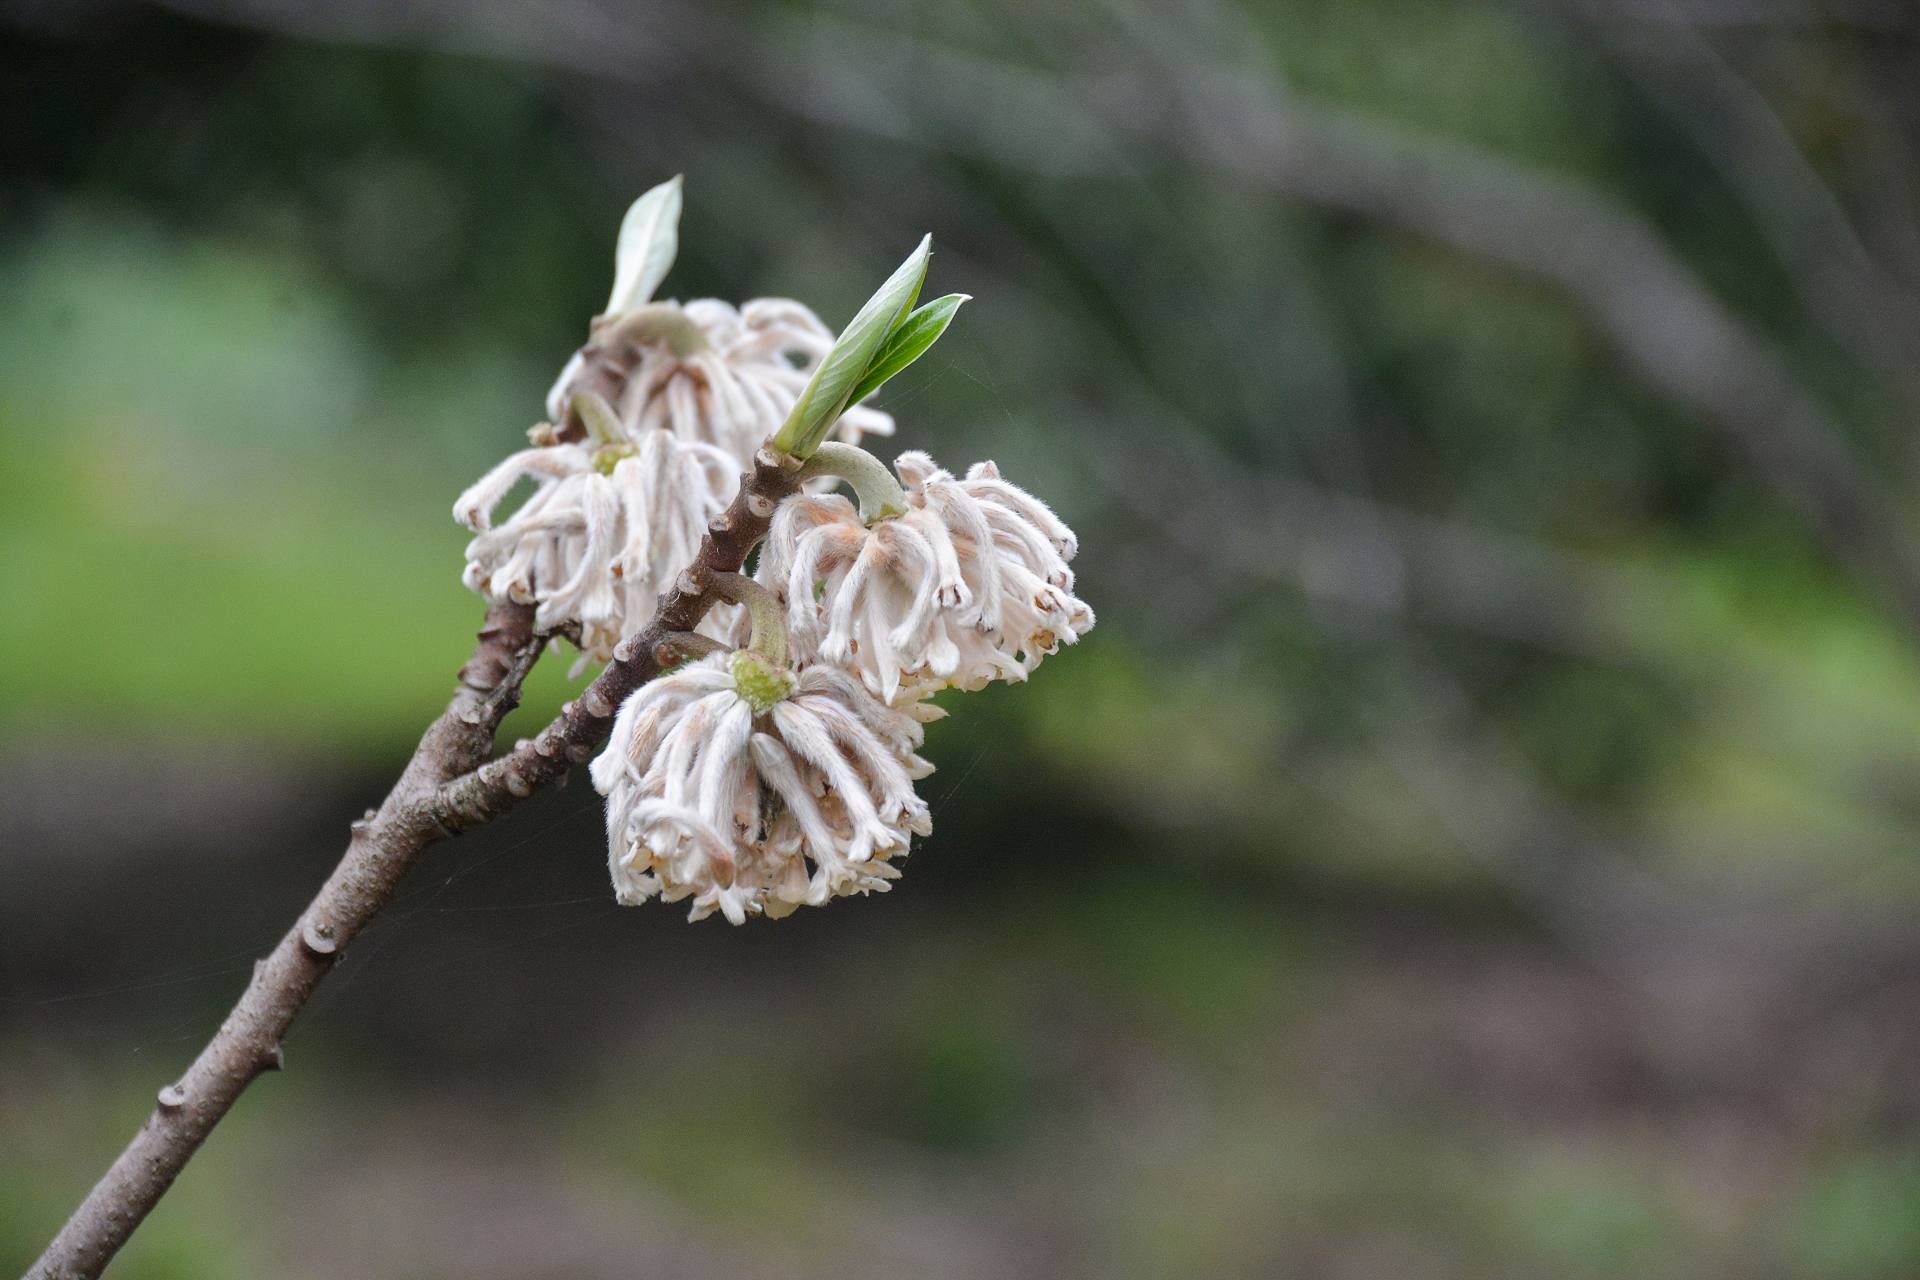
[608,456]
[759,682]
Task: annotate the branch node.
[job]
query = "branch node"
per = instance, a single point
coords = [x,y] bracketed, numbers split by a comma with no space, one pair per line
[318,937]
[517,786]
[172,1097]
[777,459]
[596,703]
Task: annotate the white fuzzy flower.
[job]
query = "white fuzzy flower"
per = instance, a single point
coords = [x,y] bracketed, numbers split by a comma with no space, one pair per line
[970,584]
[611,520]
[716,375]
[752,790]
[594,543]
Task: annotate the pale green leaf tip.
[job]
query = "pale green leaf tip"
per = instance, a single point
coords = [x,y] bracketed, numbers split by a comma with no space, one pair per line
[911,273]
[908,277]
[643,253]
[908,341]
[949,301]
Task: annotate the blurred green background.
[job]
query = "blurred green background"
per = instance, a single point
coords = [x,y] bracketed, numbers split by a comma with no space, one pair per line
[1478,840]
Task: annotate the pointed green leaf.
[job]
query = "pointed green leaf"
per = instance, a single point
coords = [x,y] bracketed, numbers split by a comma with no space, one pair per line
[908,342]
[905,282]
[828,392]
[649,239]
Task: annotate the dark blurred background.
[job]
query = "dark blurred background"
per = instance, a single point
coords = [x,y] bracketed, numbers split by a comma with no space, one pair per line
[1478,840]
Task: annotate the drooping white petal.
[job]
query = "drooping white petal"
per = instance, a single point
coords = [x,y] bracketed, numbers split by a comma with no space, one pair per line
[474,508]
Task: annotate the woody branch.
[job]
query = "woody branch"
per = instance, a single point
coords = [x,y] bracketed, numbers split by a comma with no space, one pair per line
[445,789]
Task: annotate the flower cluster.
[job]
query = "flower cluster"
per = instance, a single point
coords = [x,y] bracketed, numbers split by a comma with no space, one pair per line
[615,512]
[776,768]
[718,793]
[969,584]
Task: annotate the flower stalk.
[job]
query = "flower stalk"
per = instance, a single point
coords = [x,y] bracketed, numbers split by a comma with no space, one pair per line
[767,611]
[873,484]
